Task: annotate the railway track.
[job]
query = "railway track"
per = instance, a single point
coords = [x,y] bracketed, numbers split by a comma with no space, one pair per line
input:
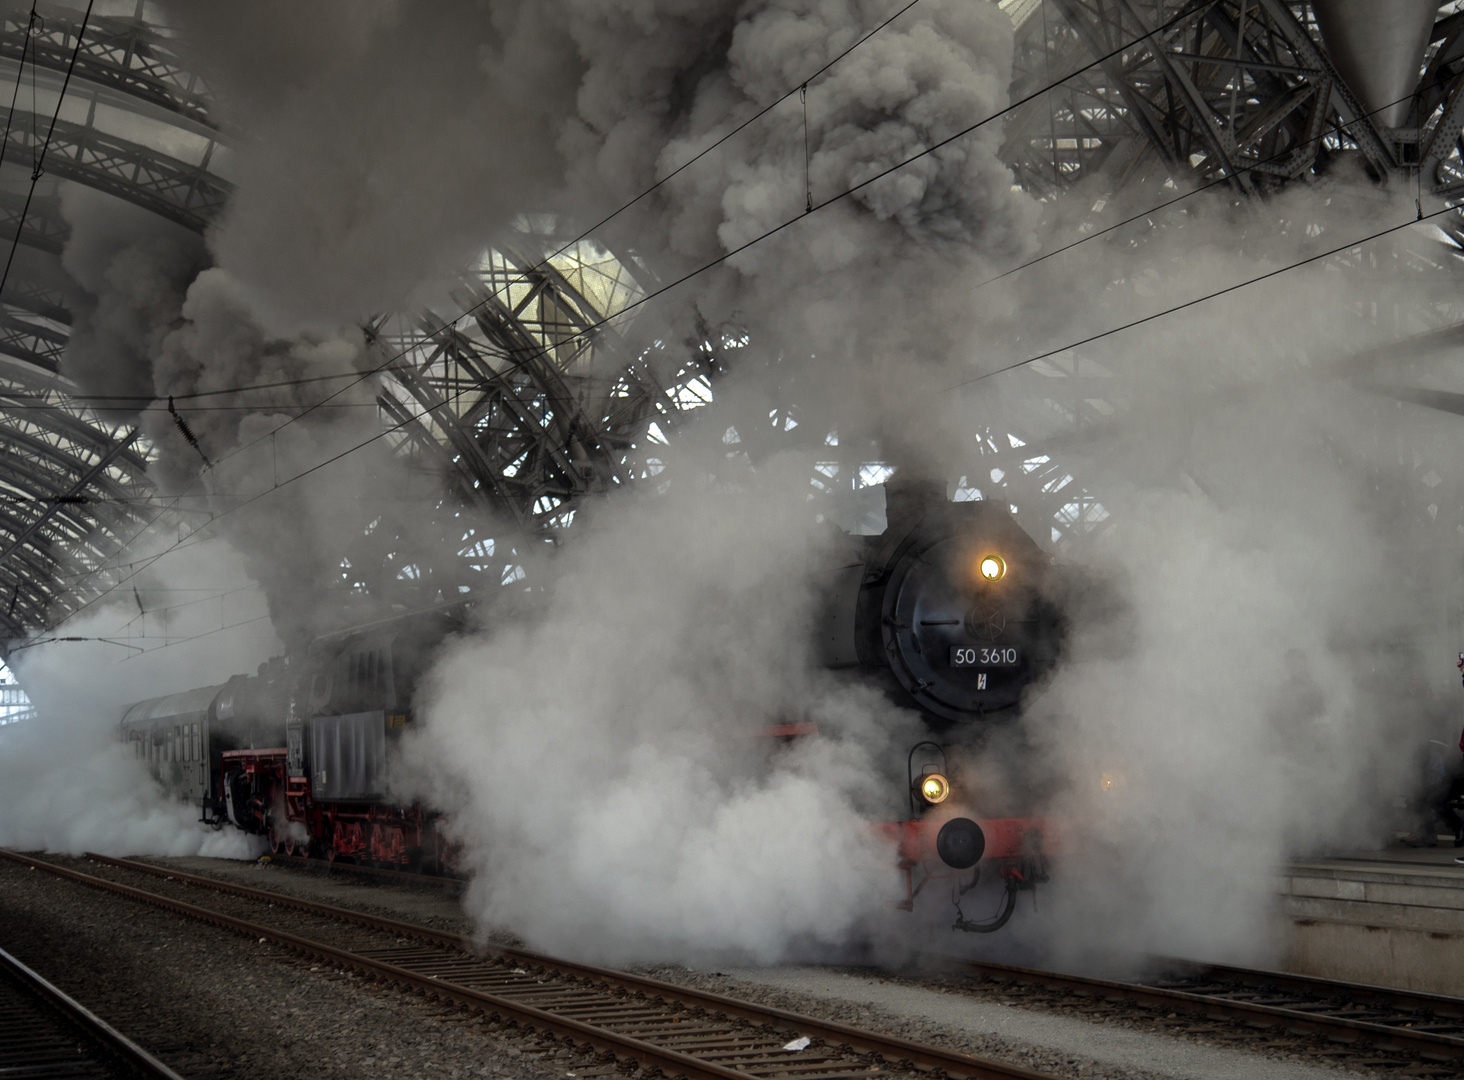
[45,1033]
[1425,1025]
[376,873]
[626,1019]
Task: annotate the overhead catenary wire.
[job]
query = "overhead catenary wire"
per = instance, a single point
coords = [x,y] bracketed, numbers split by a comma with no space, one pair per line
[801,88]
[151,404]
[38,166]
[170,642]
[30,32]
[1350,245]
[210,598]
[646,298]
[1142,214]
[589,330]
[1146,36]
[51,640]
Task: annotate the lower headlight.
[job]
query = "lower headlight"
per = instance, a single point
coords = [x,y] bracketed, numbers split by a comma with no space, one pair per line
[934,788]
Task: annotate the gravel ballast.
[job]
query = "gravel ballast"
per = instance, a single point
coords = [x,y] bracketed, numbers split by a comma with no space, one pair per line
[212,1004]
[974,1024]
[1046,1031]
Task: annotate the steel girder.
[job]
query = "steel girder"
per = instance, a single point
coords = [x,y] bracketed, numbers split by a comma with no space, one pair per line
[87,482]
[76,485]
[43,230]
[122,54]
[1236,94]
[536,400]
[173,189]
[1239,91]
[528,403]
[37,341]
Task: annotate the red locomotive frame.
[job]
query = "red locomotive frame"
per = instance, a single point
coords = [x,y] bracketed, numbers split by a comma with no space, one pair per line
[361,831]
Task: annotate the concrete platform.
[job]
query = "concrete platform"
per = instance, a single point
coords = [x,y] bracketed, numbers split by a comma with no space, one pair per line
[1390,918]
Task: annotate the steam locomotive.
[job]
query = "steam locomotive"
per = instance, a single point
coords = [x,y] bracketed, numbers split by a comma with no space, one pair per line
[953,610]
[300,752]
[957,612]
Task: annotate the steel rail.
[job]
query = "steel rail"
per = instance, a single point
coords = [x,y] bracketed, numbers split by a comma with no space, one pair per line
[1217,1006]
[404,877]
[92,1026]
[1412,1000]
[894,1050]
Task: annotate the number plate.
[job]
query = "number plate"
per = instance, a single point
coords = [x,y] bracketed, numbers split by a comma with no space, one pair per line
[984,656]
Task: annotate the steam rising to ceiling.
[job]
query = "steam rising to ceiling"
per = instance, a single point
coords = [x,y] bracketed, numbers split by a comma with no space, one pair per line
[593,758]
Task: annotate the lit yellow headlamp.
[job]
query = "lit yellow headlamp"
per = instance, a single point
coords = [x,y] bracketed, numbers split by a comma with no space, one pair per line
[992,567]
[934,788]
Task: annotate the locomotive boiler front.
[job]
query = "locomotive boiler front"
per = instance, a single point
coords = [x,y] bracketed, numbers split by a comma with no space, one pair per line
[954,606]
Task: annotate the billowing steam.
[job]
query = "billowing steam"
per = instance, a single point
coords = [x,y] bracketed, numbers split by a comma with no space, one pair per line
[602,761]
[1240,683]
[67,783]
[1282,646]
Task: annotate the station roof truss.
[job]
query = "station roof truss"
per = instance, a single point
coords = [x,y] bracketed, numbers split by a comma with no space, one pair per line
[535,394]
[1236,90]
[527,402]
[1240,96]
[134,123]
[533,387]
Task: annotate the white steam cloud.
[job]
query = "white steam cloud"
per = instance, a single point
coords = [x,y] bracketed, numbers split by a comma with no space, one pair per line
[1283,565]
[67,782]
[1266,653]
[601,761]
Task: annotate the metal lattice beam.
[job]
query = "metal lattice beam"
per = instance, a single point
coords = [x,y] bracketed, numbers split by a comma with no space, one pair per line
[122,54]
[187,194]
[1202,90]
